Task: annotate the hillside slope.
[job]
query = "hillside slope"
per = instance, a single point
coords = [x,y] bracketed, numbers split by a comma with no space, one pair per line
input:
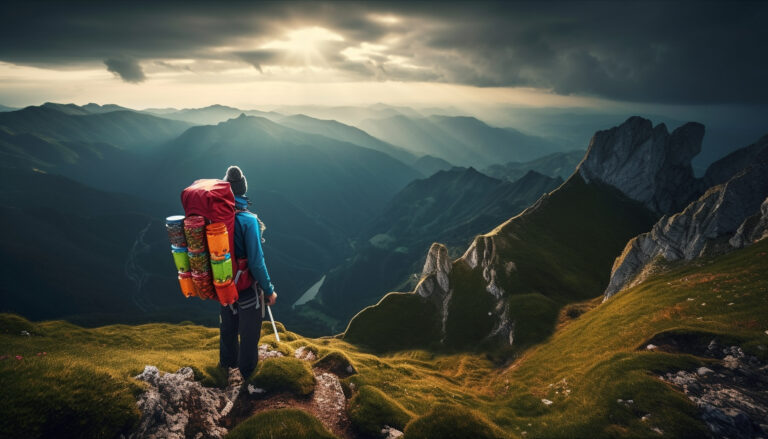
[341,182]
[84,254]
[463,141]
[593,378]
[122,128]
[345,133]
[558,164]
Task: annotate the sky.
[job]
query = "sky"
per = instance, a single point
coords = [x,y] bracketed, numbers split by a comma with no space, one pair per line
[689,60]
[527,53]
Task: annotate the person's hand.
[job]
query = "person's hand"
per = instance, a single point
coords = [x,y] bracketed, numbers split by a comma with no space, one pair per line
[272,299]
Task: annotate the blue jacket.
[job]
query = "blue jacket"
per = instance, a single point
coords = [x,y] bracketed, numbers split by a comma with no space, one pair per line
[248,245]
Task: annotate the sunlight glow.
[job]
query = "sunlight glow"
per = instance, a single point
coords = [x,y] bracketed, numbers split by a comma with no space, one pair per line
[386,19]
[235,85]
[364,52]
[305,42]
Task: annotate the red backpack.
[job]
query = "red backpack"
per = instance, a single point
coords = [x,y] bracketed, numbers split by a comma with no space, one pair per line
[214,201]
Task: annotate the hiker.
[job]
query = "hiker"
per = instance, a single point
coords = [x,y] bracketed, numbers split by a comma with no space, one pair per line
[244,316]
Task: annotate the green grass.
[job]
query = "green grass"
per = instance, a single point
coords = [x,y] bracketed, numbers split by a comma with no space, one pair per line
[398,321]
[370,410]
[468,321]
[601,354]
[336,362]
[565,249]
[284,374]
[534,316]
[281,423]
[453,422]
[82,387]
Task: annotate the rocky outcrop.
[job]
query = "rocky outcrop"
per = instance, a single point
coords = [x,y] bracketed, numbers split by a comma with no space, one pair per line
[437,267]
[646,163]
[703,226]
[732,396]
[482,253]
[722,170]
[753,229]
[175,406]
[435,283]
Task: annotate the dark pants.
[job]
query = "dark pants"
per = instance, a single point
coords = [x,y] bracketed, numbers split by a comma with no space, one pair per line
[246,323]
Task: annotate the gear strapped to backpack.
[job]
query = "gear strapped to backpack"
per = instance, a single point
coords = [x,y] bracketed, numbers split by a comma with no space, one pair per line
[202,243]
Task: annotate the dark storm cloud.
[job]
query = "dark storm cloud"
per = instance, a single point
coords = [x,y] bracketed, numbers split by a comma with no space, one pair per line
[670,52]
[126,68]
[258,57]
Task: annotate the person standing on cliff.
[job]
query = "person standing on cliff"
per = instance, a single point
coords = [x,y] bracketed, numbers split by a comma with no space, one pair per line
[244,317]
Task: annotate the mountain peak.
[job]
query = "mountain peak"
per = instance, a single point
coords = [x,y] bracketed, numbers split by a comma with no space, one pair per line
[646,163]
[71,109]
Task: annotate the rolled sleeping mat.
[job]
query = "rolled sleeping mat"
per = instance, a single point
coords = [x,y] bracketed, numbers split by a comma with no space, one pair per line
[226,292]
[194,231]
[174,225]
[188,287]
[218,240]
[204,284]
[222,269]
[199,262]
[181,259]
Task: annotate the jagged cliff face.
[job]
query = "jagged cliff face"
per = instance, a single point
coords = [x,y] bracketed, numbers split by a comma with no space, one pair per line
[482,255]
[646,163]
[730,165]
[729,215]
[435,284]
[753,229]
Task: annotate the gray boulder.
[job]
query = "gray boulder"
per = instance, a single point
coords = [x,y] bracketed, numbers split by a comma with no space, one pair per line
[177,406]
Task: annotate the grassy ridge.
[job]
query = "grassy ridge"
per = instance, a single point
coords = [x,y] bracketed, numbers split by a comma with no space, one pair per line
[82,386]
[557,252]
[601,355]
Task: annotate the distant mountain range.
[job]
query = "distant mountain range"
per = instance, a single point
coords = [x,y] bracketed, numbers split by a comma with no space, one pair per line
[84,254]
[558,164]
[313,191]
[124,128]
[398,131]
[428,165]
[464,141]
[210,115]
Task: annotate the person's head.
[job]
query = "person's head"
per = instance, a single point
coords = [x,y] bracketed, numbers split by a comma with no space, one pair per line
[237,180]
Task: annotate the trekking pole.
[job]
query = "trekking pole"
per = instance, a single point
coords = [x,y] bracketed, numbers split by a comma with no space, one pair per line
[269,310]
[274,328]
